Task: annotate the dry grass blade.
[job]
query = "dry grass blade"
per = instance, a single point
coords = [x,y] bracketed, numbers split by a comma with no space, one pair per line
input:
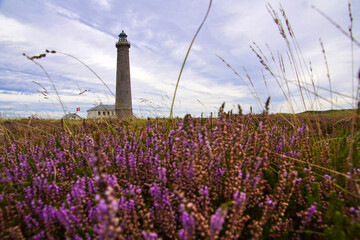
[344,95]
[352,52]
[264,62]
[337,26]
[187,54]
[312,165]
[69,55]
[318,95]
[47,75]
[327,71]
[252,88]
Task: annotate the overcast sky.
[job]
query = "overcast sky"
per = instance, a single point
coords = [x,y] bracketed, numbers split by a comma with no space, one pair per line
[160,33]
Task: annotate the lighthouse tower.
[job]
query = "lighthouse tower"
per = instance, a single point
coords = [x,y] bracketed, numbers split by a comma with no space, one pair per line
[123,104]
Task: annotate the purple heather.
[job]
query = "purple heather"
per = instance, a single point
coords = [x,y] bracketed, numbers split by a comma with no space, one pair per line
[217,221]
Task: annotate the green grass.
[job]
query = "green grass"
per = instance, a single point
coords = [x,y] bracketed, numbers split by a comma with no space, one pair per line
[330,113]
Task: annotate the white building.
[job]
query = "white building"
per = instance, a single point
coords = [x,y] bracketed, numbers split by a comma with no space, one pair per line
[101,111]
[72,116]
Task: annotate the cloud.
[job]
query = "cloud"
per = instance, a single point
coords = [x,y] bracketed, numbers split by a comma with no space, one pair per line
[105,4]
[160,34]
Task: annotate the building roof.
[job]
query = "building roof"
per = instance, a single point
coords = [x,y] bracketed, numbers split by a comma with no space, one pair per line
[122,34]
[102,107]
[71,115]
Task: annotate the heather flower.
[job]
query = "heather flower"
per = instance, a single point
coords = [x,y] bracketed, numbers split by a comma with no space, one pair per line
[239,198]
[188,223]
[120,160]
[307,169]
[77,237]
[102,207]
[132,163]
[78,189]
[106,214]
[310,212]
[190,171]
[217,221]
[356,213]
[39,236]
[127,205]
[201,138]
[294,153]
[247,176]
[149,235]
[258,163]
[269,202]
[182,234]
[302,129]
[138,176]
[111,180]
[178,173]
[221,171]
[162,175]
[155,192]
[67,218]
[254,183]
[204,190]
[31,222]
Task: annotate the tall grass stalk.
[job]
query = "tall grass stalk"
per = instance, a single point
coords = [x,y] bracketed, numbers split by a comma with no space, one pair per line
[292,58]
[355,90]
[186,56]
[352,52]
[47,75]
[263,60]
[87,66]
[309,91]
[341,29]
[251,89]
[327,71]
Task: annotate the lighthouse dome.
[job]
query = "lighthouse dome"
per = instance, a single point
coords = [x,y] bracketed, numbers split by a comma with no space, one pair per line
[122,36]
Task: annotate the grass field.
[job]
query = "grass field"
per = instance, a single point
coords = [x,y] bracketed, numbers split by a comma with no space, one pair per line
[230,177]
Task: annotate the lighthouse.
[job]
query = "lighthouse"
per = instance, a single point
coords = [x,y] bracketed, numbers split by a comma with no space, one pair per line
[123,103]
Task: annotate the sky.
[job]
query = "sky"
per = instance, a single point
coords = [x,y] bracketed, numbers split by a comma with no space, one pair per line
[160,33]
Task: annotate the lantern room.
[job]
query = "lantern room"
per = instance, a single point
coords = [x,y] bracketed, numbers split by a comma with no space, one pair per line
[122,37]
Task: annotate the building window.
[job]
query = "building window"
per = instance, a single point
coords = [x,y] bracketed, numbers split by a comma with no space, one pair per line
[104,113]
[99,113]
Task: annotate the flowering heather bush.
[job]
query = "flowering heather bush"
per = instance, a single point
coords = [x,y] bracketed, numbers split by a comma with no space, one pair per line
[231,177]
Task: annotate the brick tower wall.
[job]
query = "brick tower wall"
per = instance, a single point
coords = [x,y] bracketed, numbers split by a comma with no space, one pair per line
[123,103]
